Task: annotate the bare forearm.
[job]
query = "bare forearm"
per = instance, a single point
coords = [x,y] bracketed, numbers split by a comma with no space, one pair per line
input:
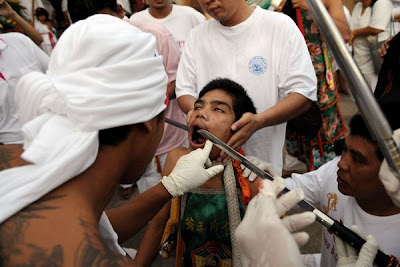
[366,31]
[150,244]
[131,217]
[27,28]
[291,106]
[335,9]
[186,103]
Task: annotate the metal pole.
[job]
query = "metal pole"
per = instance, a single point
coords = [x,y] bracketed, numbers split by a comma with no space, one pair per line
[365,100]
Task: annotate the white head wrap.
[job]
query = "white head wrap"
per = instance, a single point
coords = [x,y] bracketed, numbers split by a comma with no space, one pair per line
[103,73]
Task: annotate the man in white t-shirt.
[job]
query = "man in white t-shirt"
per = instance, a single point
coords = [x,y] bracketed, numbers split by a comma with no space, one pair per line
[349,190]
[18,56]
[179,20]
[264,52]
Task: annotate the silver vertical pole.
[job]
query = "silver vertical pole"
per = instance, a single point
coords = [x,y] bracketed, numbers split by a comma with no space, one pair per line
[365,100]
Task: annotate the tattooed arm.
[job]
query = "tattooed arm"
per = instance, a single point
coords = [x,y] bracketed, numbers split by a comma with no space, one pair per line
[37,236]
[10,156]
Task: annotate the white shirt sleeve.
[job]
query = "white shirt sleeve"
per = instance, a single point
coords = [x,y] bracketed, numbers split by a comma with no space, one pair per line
[186,77]
[381,15]
[296,72]
[313,182]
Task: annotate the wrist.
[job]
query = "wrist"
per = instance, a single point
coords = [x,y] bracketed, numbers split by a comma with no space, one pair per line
[13,15]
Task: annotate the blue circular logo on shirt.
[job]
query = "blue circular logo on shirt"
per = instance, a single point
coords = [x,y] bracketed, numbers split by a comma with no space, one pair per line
[258,65]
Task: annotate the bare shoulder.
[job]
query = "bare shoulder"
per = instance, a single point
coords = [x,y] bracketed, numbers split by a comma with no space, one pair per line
[172,157]
[10,156]
[42,235]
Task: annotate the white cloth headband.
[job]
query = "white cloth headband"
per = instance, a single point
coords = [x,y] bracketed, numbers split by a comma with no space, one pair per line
[103,73]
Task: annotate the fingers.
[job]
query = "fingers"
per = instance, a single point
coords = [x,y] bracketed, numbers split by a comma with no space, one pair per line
[207,148]
[340,247]
[289,200]
[298,221]
[272,188]
[301,238]
[388,179]
[212,171]
[368,252]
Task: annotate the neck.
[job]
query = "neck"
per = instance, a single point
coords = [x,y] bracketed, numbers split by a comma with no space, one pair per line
[379,205]
[160,13]
[243,13]
[94,188]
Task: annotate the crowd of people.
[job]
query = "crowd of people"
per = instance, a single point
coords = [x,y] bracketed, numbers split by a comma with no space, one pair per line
[85,87]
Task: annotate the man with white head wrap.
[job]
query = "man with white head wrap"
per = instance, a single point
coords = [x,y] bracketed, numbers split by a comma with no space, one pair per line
[92,121]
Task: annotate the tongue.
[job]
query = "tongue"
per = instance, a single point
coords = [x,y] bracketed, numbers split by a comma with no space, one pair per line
[201,140]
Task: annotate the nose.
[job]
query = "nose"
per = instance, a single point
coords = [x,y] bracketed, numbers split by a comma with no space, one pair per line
[342,164]
[202,113]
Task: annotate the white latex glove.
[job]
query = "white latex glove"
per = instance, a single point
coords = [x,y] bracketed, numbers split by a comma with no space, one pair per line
[389,178]
[264,238]
[263,165]
[348,256]
[189,171]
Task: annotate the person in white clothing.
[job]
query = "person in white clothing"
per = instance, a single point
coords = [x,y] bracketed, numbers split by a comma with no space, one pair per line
[349,190]
[83,136]
[18,56]
[271,61]
[179,20]
[370,25]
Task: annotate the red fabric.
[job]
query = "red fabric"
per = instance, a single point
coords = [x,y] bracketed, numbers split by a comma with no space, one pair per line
[241,179]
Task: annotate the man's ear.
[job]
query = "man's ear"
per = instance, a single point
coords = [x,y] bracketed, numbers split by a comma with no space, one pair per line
[148,126]
[121,12]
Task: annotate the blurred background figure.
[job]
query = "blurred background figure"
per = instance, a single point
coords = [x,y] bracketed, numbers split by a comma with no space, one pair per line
[370,27]
[44,26]
[310,137]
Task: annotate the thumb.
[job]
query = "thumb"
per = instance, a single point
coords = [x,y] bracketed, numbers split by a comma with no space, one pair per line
[368,252]
[207,149]
[237,124]
[214,170]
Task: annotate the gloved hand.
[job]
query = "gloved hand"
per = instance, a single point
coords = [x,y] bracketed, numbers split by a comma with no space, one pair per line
[389,178]
[263,165]
[264,239]
[348,255]
[189,171]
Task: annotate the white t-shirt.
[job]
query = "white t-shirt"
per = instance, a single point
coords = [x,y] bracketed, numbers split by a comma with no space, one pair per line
[381,18]
[378,17]
[179,22]
[18,56]
[266,54]
[321,189]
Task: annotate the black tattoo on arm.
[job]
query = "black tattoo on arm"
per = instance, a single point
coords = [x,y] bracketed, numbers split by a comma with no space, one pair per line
[14,245]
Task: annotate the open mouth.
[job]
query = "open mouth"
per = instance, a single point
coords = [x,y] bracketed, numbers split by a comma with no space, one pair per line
[197,140]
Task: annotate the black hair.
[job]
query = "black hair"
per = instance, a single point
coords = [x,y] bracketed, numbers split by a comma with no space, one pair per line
[372,3]
[80,9]
[242,103]
[388,87]
[105,4]
[114,136]
[358,126]
[42,12]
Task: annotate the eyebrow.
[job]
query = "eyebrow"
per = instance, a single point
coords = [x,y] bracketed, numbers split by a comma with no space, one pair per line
[213,102]
[359,156]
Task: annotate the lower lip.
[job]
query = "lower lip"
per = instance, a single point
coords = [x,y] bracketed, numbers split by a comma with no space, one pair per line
[340,181]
